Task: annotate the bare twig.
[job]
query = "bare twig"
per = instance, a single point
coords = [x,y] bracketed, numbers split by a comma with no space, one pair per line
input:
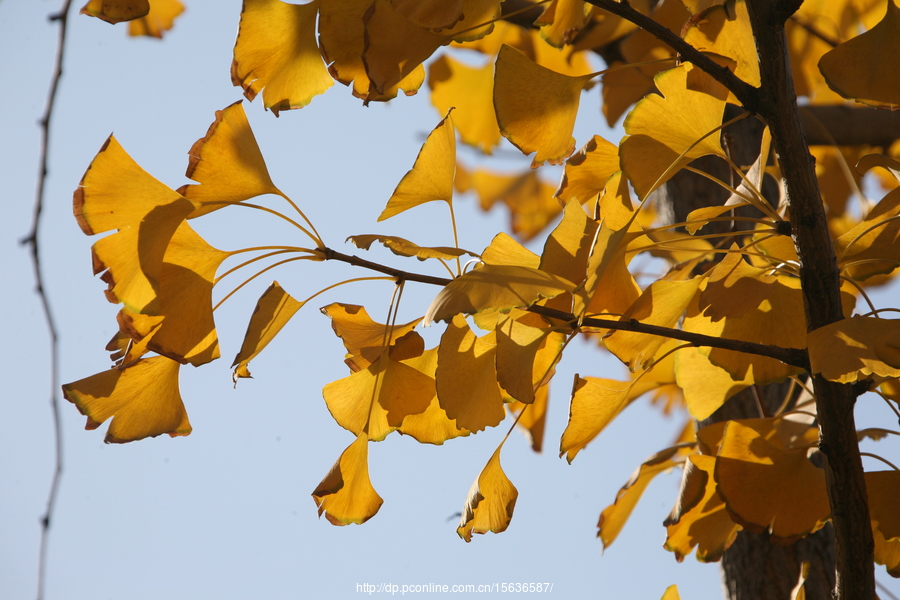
[32,241]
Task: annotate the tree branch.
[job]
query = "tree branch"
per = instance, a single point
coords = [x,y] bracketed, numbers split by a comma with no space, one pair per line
[743,91]
[791,356]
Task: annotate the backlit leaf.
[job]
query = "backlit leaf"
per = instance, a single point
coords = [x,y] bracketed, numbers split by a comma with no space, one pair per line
[865,68]
[595,402]
[883,489]
[227,163]
[143,400]
[402,247]
[362,337]
[588,170]
[431,177]
[273,311]
[471,91]
[699,519]
[497,287]
[767,487]
[430,14]
[609,287]
[706,385]
[466,377]
[562,20]
[527,350]
[116,11]
[491,501]
[873,243]
[346,494]
[568,247]
[652,154]
[854,349]
[504,250]
[431,426]
[543,119]
[728,34]
[533,419]
[160,19]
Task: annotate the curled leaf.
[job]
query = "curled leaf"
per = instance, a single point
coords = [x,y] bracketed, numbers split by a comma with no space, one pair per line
[402,247]
[491,501]
[273,311]
[346,494]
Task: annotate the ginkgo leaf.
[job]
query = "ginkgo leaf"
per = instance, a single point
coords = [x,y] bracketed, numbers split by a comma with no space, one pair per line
[527,350]
[699,519]
[706,386]
[609,287]
[376,399]
[276,53]
[543,119]
[871,248]
[491,501]
[346,494]
[568,246]
[887,163]
[856,348]
[595,402]
[273,311]
[362,337]
[394,46]
[562,20]
[504,250]
[471,91]
[532,418]
[614,516]
[529,199]
[116,11]
[187,275]
[466,377]
[883,489]
[160,19]
[588,170]
[865,68]
[727,32]
[431,177]
[621,87]
[767,487]
[143,400]
[652,154]
[497,287]
[431,426]
[887,553]
[342,41]
[227,163]
[662,303]
[402,247]
[671,593]
[430,14]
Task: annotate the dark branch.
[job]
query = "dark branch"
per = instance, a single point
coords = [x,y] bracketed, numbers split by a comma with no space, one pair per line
[791,356]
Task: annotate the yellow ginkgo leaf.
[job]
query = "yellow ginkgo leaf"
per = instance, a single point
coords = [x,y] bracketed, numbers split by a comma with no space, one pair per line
[504,250]
[116,11]
[883,489]
[872,248]
[568,246]
[652,154]
[491,501]
[276,53]
[188,332]
[227,163]
[542,120]
[346,494]
[528,197]
[869,161]
[362,337]
[143,400]
[699,519]
[767,487]
[562,20]
[402,247]
[588,170]
[865,68]
[160,19]
[622,87]
[394,46]
[430,14]
[595,402]
[887,553]
[609,287]
[342,41]
[706,386]
[431,177]
[671,593]
[614,516]
[856,348]
[527,351]
[431,426]
[727,32]
[532,418]
[466,377]
[273,310]
[497,287]
[471,91]
[662,303]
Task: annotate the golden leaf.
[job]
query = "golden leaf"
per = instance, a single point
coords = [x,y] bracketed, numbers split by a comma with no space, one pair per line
[471,91]
[542,120]
[883,489]
[671,593]
[527,351]
[533,420]
[728,34]
[346,494]
[865,68]
[595,402]
[431,177]
[504,250]
[652,154]
[768,487]
[227,163]
[497,287]
[430,14]
[431,426]
[609,287]
[362,337]
[491,501]
[699,519]
[116,11]
[160,19]
[706,385]
[853,349]
[273,311]
[143,400]
[562,20]
[568,247]
[466,377]
[402,247]
[872,248]
[588,170]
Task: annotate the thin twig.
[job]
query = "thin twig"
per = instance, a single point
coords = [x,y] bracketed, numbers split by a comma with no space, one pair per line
[32,241]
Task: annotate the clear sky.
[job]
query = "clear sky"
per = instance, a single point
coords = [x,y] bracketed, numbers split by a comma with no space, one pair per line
[226,512]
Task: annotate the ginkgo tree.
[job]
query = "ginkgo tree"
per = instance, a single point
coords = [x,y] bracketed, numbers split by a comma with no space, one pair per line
[756,289]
